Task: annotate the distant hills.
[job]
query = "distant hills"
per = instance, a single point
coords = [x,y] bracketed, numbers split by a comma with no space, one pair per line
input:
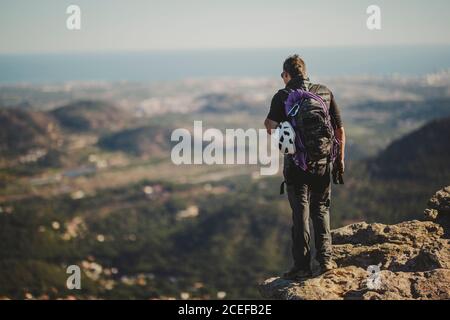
[23,130]
[87,115]
[390,186]
[42,139]
[423,155]
[150,140]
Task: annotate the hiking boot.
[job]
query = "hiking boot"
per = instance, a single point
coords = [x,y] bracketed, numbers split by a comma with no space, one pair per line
[296,274]
[327,266]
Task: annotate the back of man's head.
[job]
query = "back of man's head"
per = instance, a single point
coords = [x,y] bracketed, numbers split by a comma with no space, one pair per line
[295,66]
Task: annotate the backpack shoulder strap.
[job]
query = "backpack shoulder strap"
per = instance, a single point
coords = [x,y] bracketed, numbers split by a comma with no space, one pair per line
[314,88]
[322,91]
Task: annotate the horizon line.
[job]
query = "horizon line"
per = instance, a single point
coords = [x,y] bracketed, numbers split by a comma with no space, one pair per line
[172,50]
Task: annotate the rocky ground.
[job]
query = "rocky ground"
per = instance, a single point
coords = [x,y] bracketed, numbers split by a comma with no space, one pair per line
[409,260]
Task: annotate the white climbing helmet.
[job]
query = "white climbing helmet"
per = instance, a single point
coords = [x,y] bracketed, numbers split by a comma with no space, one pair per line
[286,138]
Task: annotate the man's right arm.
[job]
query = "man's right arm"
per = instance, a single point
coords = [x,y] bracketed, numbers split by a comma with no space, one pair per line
[270,125]
[275,115]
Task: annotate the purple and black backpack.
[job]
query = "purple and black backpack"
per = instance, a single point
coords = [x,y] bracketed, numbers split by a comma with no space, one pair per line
[315,142]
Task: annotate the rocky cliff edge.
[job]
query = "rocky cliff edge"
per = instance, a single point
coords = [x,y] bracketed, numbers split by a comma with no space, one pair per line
[408,260]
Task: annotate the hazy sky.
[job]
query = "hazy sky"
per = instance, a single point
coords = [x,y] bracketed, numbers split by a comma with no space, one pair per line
[40,25]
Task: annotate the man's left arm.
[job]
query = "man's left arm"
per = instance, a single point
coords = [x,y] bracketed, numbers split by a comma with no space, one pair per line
[340,136]
[275,114]
[339,132]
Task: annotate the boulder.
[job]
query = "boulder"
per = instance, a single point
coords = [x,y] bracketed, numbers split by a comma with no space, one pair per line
[438,209]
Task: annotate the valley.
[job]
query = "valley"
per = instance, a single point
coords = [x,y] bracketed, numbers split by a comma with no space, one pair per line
[86,178]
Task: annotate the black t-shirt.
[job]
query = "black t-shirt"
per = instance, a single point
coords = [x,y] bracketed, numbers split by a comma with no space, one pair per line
[278,114]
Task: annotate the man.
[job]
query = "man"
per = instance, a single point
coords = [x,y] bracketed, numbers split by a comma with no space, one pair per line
[308,193]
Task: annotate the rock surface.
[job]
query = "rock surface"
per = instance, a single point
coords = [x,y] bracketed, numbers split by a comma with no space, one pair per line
[439,209]
[409,260]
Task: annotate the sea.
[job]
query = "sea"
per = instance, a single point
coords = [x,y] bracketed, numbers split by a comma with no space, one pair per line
[149,66]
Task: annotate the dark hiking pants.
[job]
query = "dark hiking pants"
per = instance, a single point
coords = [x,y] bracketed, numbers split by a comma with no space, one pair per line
[309,197]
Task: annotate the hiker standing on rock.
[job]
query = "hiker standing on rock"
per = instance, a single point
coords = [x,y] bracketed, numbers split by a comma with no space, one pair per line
[312,137]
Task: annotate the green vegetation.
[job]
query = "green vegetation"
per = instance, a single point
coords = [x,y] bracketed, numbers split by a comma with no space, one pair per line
[143,234]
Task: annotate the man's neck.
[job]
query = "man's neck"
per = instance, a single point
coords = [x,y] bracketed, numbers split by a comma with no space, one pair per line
[296,81]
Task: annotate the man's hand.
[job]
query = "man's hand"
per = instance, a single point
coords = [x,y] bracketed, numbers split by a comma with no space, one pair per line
[340,164]
[338,171]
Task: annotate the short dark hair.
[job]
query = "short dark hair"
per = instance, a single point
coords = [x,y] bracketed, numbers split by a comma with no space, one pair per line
[295,66]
